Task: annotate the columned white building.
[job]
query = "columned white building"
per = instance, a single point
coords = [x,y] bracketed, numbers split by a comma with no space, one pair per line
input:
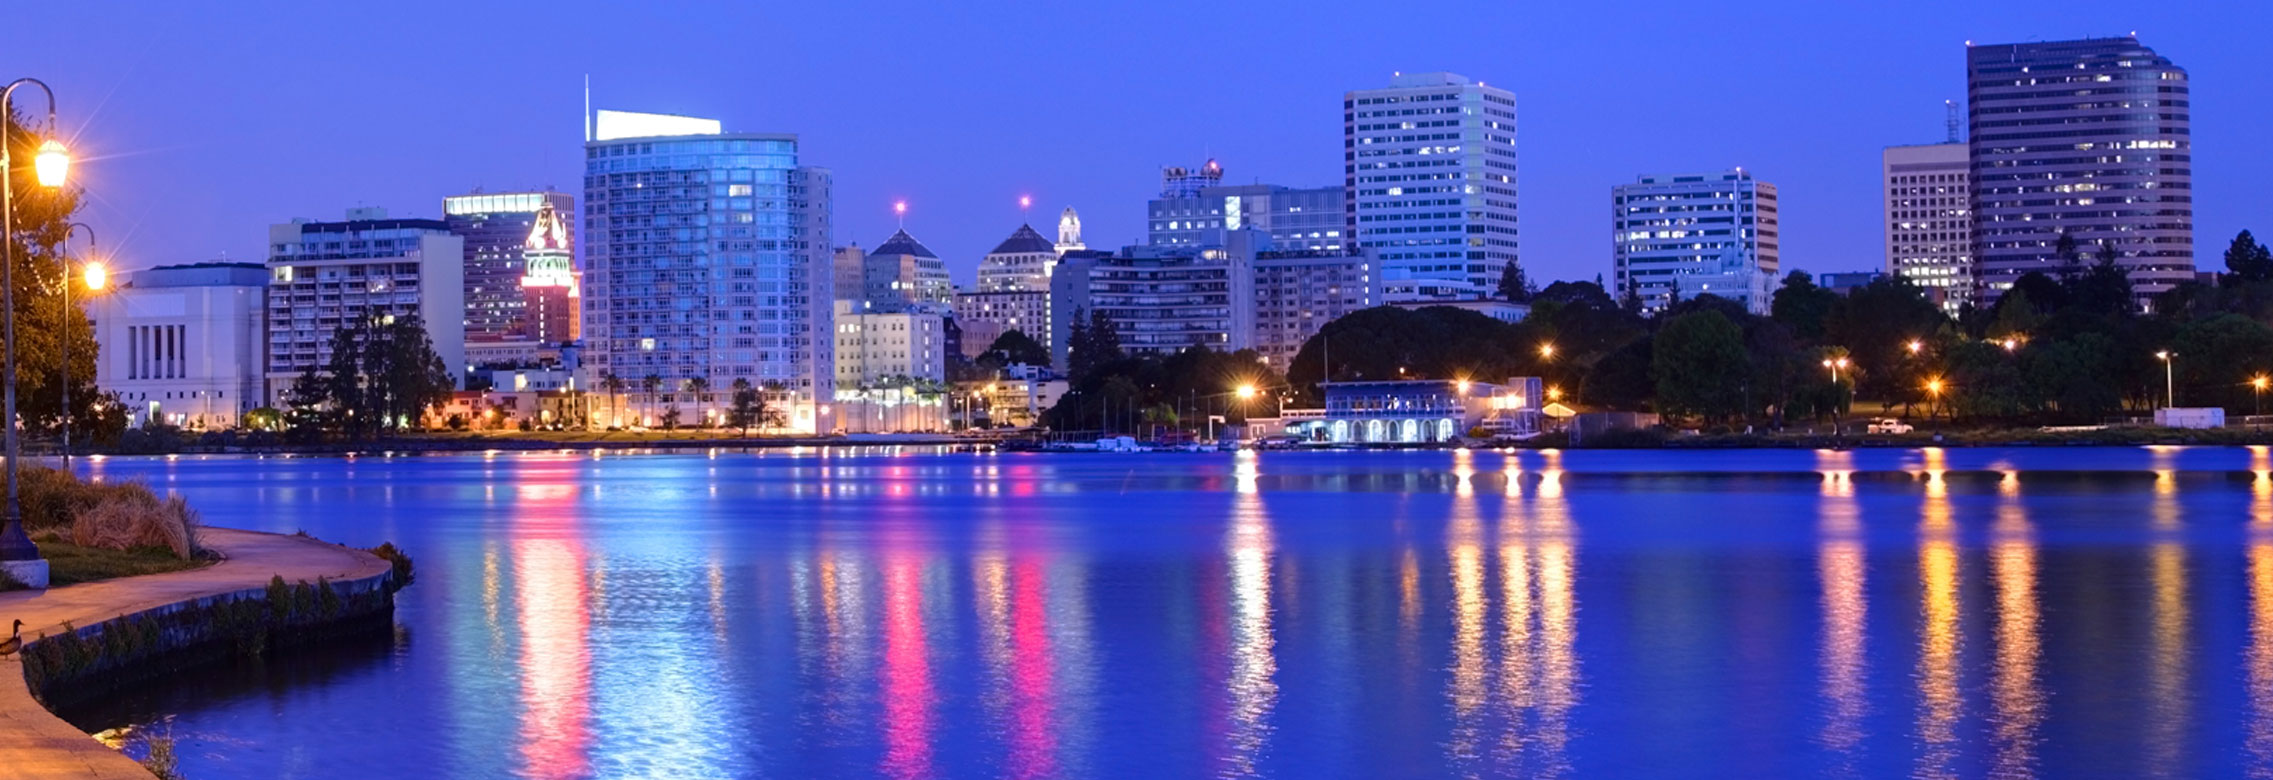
[182,344]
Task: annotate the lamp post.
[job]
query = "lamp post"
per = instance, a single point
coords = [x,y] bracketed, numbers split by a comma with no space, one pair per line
[1835,364]
[1934,395]
[2170,382]
[95,279]
[51,165]
[2257,390]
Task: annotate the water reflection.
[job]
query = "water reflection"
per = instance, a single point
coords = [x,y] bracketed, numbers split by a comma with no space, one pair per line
[1940,634]
[1840,567]
[2016,702]
[1852,613]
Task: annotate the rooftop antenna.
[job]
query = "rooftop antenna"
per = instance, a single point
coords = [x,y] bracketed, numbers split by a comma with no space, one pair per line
[900,210]
[587,108]
[1025,205]
[1949,121]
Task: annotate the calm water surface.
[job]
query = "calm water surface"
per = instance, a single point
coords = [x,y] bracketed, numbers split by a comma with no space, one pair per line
[2054,612]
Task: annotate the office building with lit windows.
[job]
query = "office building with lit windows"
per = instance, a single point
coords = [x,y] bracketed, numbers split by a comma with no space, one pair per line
[900,271]
[2090,139]
[1298,292]
[1296,219]
[1429,169]
[707,255]
[1929,220]
[497,228]
[1686,235]
[327,276]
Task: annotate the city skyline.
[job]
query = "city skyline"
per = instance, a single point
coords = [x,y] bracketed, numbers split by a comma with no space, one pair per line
[166,189]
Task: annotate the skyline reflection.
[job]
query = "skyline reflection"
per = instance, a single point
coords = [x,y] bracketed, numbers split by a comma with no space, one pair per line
[1936,613]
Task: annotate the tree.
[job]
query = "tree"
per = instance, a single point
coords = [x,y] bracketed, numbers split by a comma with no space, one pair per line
[1802,306]
[1699,365]
[1876,324]
[1385,342]
[1514,286]
[614,386]
[1092,343]
[671,417]
[746,407]
[402,373]
[649,385]
[2247,260]
[2071,259]
[44,325]
[1014,347]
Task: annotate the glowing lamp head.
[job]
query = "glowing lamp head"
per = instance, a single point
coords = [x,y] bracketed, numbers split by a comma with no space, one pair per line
[1462,385]
[53,164]
[900,208]
[2011,344]
[1916,346]
[1248,391]
[1025,201]
[1546,350]
[1554,394]
[2259,382]
[1842,362]
[2164,355]
[1934,386]
[97,276]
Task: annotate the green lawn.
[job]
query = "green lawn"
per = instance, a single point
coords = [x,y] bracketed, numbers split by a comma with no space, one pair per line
[69,564]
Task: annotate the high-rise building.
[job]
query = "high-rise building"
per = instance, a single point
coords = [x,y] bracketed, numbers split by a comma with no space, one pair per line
[325,276]
[1430,176]
[1069,300]
[1929,220]
[182,344]
[1295,219]
[497,228]
[1014,287]
[1298,292]
[550,286]
[2087,140]
[876,344]
[899,272]
[1684,235]
[707,255]
[1164,300]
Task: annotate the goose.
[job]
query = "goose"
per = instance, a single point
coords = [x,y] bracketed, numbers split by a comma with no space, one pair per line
[15,640]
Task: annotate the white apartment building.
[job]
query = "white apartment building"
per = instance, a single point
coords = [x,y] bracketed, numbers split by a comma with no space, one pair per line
[1717,229]
[182,344]
[325,276]
[878,343]
[1929,219]
[1429,169]
[707,255]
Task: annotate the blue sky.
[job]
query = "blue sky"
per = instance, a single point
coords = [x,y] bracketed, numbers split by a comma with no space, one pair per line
[200,124]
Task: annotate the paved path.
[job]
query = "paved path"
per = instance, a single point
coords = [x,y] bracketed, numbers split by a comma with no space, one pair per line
[36,744]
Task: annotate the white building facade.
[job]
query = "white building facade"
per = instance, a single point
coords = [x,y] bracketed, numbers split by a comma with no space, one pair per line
[707,255]
[183,344]
[875,344]
[1430,176]
[326,276]
[1689,234]
[1929,219]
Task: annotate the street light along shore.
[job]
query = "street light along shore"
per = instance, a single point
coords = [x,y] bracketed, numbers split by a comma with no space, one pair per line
[51,165]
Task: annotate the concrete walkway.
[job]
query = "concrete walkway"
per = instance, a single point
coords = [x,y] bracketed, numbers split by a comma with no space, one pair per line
[36,744]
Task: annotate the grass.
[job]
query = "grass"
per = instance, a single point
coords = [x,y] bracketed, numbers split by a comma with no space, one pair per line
[69,564]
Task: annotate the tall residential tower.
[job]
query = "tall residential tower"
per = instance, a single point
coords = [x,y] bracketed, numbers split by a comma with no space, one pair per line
[707,256]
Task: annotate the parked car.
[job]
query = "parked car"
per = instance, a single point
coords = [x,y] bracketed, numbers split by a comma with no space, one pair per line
[1889,425]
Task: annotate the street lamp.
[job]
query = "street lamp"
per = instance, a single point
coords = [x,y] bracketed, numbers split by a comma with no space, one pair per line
[1547,351]
[2257,388]
[96,276]
[51,165]
[1916,346]
[1934,393]
[1835,364]
[2170,383]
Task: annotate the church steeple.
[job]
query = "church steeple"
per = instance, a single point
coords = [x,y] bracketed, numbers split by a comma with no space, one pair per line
[1069,231]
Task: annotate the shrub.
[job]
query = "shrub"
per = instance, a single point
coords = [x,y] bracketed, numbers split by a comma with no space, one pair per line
[401,562]
[134,519]
[53,499]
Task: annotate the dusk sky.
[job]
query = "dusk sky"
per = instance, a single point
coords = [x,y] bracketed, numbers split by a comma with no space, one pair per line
[200,124]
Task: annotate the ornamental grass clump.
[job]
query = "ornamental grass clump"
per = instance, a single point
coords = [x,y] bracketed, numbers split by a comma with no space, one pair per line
[136,519]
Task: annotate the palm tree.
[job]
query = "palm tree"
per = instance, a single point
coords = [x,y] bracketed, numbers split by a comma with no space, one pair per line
[650,384]
[700,387]
[614,386]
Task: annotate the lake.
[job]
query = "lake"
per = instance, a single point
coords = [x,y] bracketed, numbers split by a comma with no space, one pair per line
[915,613]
